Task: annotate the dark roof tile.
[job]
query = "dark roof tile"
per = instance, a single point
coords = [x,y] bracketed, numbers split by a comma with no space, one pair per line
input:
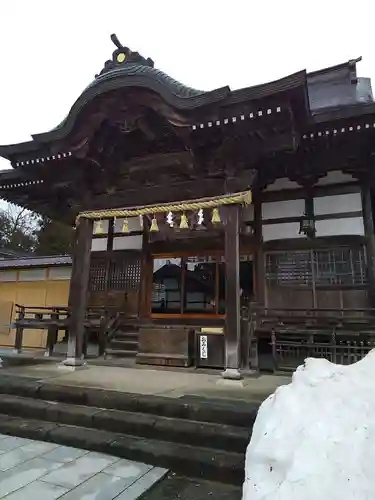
[36,261]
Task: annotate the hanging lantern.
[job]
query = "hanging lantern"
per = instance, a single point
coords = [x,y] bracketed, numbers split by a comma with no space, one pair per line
[184,224]
[125,226]
[307,226]
[98,227]
[154,225]
[215,219]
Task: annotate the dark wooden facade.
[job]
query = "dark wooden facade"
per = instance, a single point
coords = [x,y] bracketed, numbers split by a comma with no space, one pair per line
[136,137]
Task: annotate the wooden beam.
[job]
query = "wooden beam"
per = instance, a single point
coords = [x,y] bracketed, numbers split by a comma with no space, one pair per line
[232,293]
[78,292]
[160,194]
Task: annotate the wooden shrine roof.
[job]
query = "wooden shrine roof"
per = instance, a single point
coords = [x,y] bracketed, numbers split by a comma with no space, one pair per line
[181,105]
[137,136]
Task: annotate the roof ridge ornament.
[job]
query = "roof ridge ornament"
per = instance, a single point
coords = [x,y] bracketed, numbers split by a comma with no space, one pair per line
[122,56]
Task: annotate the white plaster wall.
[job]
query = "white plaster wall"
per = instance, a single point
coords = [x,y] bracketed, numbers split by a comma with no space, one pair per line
[127,242]
[282,183]
[248,213]
[337,204]
[281,231]
[280,209]
[340,227]
[335,177]
[99,244]
[32,275]
[60,273]
[10,275]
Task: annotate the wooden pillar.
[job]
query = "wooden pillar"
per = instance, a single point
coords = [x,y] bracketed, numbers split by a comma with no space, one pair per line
[145,285]
[232,293]
[78,292]
[259,256]
[52,333]
[368,223]
[19,330]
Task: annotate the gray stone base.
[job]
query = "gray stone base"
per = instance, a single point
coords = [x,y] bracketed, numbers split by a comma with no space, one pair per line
[250,373]
[231,383]
[231,374]
[231,377]
[72,364]
[1,363]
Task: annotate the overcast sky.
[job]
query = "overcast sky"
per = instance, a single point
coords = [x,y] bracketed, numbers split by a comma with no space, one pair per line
[50,50]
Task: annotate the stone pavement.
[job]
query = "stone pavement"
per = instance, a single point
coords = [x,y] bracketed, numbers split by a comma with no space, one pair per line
[175,487]
[173,383]
[45,471]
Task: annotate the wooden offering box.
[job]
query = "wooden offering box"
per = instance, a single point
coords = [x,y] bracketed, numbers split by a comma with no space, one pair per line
[166,345]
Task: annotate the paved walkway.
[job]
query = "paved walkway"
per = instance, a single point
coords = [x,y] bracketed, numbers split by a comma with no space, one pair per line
[162,382]
[45,471]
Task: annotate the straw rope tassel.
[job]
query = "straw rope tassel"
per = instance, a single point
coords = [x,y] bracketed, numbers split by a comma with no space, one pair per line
[184,224]
[154,225]
[215,219]
[125,226]
[98,227]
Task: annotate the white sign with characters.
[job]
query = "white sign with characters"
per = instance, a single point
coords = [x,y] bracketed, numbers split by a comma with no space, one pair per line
[203,347]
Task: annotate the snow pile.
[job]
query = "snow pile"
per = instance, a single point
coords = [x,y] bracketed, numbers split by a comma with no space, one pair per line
[314,439]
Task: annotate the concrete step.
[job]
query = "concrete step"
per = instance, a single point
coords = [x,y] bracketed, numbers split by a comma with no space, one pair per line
[194,433]
[223,466]
[226,412]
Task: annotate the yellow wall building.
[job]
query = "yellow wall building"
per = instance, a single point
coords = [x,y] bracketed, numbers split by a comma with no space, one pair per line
[31,281]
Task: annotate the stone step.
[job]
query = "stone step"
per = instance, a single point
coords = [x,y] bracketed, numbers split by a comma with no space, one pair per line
[120,353]
[226,412]
[125,345]
[223,466]
[131,335]
[128,328]
[194,433]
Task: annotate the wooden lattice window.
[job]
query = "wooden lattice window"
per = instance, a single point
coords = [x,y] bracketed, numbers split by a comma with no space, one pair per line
[98,275]
[125,274]
[340,266]
[289,268]
[327,267]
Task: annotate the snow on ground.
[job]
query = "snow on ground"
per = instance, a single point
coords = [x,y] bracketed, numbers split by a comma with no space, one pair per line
[314,439]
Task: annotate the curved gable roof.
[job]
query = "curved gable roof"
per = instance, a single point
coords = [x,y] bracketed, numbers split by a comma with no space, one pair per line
[128,69]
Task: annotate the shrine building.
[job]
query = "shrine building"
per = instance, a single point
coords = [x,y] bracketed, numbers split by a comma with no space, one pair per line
[193,209]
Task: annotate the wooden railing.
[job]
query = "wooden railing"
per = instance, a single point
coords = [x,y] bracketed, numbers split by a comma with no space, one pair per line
[55,318]
[52,319]
[342,336]
[106,321]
